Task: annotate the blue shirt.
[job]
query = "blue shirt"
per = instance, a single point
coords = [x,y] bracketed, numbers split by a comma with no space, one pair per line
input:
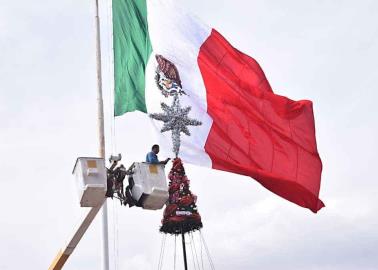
[152,158]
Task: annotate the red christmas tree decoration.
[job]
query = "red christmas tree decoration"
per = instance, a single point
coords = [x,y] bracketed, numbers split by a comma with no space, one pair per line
[180,214]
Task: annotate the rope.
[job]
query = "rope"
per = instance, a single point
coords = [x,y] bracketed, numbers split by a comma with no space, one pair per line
[109,52]
[201,253]
[191,248]
[114,241]
[195,250]
[207,251]
[174,256]
[110,62]
[115,238]
[162,248]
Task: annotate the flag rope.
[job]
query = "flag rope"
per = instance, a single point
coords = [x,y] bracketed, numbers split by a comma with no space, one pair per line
[112,138]
[174,257]
[193,257]
[110,63]
[195,250]
[162,248]
[201,252]
[207,251]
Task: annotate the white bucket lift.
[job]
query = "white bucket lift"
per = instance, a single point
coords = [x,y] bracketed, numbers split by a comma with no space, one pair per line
[149,185]
[90,178]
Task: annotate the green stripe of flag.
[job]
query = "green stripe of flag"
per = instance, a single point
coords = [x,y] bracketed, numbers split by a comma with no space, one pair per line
[132,48]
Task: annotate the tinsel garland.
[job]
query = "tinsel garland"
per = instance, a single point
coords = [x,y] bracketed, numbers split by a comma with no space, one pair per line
[176,120]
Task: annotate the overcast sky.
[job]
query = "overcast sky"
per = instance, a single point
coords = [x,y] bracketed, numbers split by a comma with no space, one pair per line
[325,51]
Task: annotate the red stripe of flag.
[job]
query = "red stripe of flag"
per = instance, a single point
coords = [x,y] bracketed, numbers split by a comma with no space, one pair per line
[256,132]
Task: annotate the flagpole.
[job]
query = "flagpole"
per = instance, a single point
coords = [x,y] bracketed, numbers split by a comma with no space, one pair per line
[101,139]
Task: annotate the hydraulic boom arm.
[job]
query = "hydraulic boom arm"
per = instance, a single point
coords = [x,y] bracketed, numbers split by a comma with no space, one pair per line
[67,250]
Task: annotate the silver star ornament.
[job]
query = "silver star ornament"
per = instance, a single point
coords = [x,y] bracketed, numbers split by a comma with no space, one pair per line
[176,120]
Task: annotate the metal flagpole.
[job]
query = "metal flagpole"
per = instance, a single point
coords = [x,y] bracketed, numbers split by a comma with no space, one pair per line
[101,139]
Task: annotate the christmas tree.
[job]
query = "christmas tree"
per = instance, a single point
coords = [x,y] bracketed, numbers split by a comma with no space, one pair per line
[180,214]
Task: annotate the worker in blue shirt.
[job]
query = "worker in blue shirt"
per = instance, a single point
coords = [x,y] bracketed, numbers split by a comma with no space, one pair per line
[152,156]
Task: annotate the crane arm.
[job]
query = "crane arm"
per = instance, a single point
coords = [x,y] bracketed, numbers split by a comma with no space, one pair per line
[67,250]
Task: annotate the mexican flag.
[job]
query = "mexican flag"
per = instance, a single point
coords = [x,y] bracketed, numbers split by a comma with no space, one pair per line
[162,53]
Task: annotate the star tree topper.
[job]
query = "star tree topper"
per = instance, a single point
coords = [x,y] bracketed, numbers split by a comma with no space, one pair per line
[176,120]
